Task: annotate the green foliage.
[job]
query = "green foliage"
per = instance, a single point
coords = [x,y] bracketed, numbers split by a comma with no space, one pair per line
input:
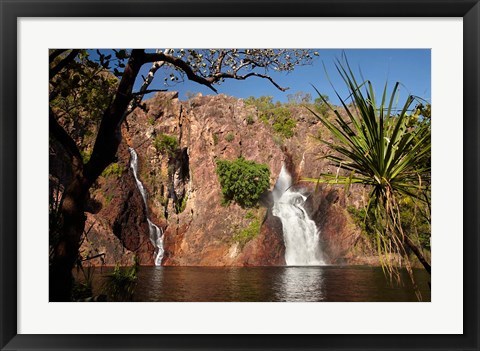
[243,181]
[378,146]
[283,124]
[263,104]
[86,154]
[321,105]
[250,120]
[151,120]
[163,200]
[229,137]
[215,139]
[167,144]
[249,215]
[108,198]
[248,233]
[84,289]
[414,218]
[115,169]
[180,206]
[81,94]
[276,115]
[363,221]
[121,283]
[299,97]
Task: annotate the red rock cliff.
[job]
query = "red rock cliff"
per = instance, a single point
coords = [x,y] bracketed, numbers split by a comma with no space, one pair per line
[184,191]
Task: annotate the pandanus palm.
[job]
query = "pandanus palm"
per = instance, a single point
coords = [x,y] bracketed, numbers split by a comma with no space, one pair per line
[385,148]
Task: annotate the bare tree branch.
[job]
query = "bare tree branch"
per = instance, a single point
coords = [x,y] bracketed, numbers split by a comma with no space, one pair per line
[220,60]
[185,67]
[216,74]
[147,91]
[224,75]
[92,257]
[146,83]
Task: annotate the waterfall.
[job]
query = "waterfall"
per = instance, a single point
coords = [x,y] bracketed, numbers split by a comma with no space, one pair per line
[300,233]
[156,234]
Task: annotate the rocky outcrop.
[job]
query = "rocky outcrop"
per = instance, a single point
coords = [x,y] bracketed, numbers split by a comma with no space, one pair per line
[101,247]
[268,249]
[178,144]
[184,188]
[326,206]
[123,215]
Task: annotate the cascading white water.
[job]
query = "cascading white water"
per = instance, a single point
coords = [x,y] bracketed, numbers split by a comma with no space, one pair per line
[300,233]
[156,234]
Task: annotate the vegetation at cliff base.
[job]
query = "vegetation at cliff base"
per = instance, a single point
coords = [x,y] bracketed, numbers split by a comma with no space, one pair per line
[121,283]
[243,181]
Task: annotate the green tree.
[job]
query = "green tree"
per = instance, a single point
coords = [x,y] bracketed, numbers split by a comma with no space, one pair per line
[274,114]
[80,95]
[321,105]
[243,181]
[300,97]
[205,67]
[166,144]
[386,150]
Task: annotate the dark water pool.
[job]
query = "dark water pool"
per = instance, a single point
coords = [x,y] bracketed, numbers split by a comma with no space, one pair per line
[230,284]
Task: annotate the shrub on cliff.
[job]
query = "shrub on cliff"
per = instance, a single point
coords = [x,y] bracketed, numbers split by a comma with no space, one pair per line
[165,143]
[243,181]
[274,114]
[115,169]
[248,233]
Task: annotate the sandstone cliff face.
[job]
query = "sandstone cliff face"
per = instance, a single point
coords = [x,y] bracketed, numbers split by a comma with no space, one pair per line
[208,129]
[184,194]
[125,212]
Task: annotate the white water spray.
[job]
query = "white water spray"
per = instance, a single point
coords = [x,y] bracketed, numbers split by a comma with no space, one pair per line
[156,234]
[300,233]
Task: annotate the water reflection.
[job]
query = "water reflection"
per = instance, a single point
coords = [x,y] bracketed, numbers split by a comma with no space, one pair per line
[300,284]
[263,284]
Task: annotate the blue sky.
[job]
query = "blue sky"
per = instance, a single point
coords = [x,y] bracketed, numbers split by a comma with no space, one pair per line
[410,67]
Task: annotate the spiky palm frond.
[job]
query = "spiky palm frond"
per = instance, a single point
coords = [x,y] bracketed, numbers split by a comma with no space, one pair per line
[380,147]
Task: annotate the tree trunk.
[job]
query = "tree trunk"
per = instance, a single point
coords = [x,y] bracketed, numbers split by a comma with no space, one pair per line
[418,253]
[66,250]
[77,193]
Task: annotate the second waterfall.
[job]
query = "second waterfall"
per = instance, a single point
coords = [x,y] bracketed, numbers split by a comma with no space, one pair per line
[300,233]
[156,234]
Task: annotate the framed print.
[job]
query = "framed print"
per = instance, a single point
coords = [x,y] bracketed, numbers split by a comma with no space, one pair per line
[204,195]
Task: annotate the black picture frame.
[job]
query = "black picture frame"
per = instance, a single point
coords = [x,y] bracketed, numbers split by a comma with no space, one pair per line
[11,10]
